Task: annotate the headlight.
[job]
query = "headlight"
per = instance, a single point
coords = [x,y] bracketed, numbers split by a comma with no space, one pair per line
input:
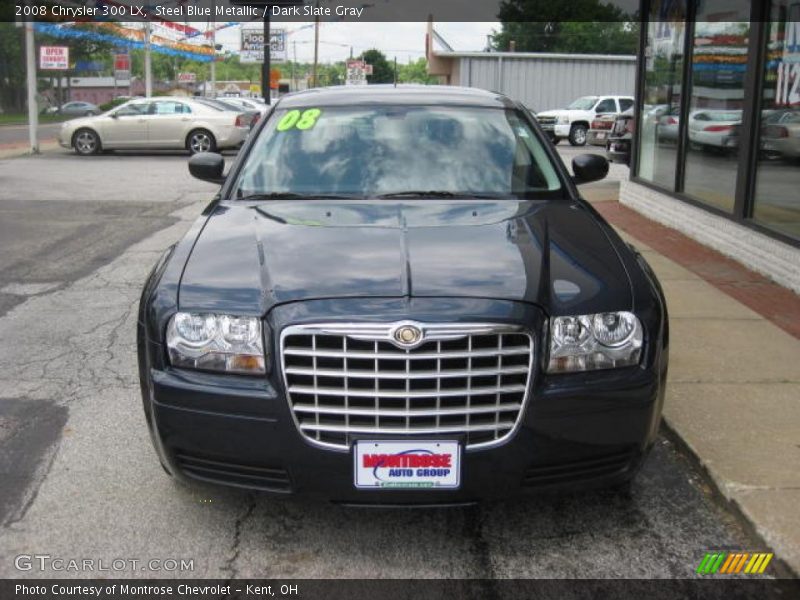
[216,343]
[563,120]
[589,342]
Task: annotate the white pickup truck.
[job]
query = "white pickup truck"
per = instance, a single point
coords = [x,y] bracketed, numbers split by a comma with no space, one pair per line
[573,122]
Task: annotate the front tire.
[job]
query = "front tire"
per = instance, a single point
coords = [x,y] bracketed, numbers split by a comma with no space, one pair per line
[86,142]
[200,140]
[577,135]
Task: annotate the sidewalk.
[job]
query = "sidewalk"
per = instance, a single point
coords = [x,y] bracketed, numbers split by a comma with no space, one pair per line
[733,393]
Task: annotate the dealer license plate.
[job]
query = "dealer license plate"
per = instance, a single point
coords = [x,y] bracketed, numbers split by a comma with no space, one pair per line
[407,465]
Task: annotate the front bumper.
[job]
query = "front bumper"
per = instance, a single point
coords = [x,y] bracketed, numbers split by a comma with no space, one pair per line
[577,431]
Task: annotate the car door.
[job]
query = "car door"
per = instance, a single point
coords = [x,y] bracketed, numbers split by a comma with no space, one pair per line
[167,124]
[126,127]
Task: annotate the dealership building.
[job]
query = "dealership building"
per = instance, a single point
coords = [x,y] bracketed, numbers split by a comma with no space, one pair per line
[718,128]
[717,152]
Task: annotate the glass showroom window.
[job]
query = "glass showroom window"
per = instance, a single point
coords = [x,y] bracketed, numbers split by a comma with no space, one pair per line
[777,195]
[662,92]
[716,100]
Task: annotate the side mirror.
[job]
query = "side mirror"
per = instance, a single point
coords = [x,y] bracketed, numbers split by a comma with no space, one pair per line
[589,167]
[207,166]
[114,115]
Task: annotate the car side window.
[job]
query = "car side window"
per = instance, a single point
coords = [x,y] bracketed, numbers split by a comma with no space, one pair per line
[625,104]
[132,110]
[607,105]
[169,107]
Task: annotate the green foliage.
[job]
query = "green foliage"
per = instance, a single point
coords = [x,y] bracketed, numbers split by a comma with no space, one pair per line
[578,26]
[12,68]
[382,70]
[112,104]
[416,72]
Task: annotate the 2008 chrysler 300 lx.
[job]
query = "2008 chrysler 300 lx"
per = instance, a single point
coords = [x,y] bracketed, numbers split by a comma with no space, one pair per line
[399,297]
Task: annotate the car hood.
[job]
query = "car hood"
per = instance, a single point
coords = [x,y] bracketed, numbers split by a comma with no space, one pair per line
[563,111]
[250,258]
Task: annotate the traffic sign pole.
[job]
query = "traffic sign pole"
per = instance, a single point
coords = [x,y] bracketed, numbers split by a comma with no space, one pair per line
[266,90]
[30,67]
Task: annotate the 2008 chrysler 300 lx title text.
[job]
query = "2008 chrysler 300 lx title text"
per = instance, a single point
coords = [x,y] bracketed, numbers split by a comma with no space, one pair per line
[399,297]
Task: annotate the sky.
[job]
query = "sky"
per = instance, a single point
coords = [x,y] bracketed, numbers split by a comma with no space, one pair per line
[406,41]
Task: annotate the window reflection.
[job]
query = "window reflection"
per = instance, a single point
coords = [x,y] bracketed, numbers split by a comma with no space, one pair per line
[777,197]
[662,89]
[719,63]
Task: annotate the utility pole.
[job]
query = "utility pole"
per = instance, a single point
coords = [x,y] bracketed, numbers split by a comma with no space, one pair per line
[214,60]
[294,65]
[265,68]
[148,71]
[316,50]
[30,66]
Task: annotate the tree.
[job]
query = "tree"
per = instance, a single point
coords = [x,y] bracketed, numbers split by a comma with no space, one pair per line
[382,71]
[416,72]
[12,68]
[579,26]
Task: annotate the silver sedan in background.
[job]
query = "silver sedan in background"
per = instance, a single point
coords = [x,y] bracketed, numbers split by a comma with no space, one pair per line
[157,123]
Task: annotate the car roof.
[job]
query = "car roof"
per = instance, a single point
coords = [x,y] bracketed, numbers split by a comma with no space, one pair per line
[411,95]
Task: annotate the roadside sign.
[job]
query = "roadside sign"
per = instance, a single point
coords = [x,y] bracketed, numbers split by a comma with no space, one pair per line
[252,50]
[274,78]
[356,72]
[122,67]
[54,58]
[187,77]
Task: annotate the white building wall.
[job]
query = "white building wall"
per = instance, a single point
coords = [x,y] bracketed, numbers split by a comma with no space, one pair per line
[544,82]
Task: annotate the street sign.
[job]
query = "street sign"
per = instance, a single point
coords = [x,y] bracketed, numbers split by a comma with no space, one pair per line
[187,77]
[356,72]
[253,46]
[54,58]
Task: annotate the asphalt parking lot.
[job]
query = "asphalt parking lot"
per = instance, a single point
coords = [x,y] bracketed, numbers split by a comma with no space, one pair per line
[79,236]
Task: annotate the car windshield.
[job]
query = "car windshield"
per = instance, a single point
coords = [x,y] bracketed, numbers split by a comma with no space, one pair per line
[424,151]
[584,103]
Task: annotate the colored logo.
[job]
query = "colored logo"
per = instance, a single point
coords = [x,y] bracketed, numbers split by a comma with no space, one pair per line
[407,335]
[731,563]
[403,464]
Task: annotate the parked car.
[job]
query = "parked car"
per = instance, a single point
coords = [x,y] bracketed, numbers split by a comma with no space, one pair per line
[75,109]
[251,115]
[248,104]
[573,122]
[620,139]
[711,128]
[668,124]
[163,122]
[600,128]
[780,134]
[396,291]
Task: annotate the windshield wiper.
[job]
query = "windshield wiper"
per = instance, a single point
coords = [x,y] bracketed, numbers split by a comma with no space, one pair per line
[289,196]
[440,194]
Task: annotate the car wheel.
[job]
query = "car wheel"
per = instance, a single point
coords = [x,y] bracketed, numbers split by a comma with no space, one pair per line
[577,135]
[86,142]
[200,140]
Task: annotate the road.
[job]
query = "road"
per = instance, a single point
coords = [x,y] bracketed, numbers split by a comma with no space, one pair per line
[85,482]
[11,135]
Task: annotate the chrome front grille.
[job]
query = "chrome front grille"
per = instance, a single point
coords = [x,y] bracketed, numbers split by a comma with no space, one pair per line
[546,120]
[346,380]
